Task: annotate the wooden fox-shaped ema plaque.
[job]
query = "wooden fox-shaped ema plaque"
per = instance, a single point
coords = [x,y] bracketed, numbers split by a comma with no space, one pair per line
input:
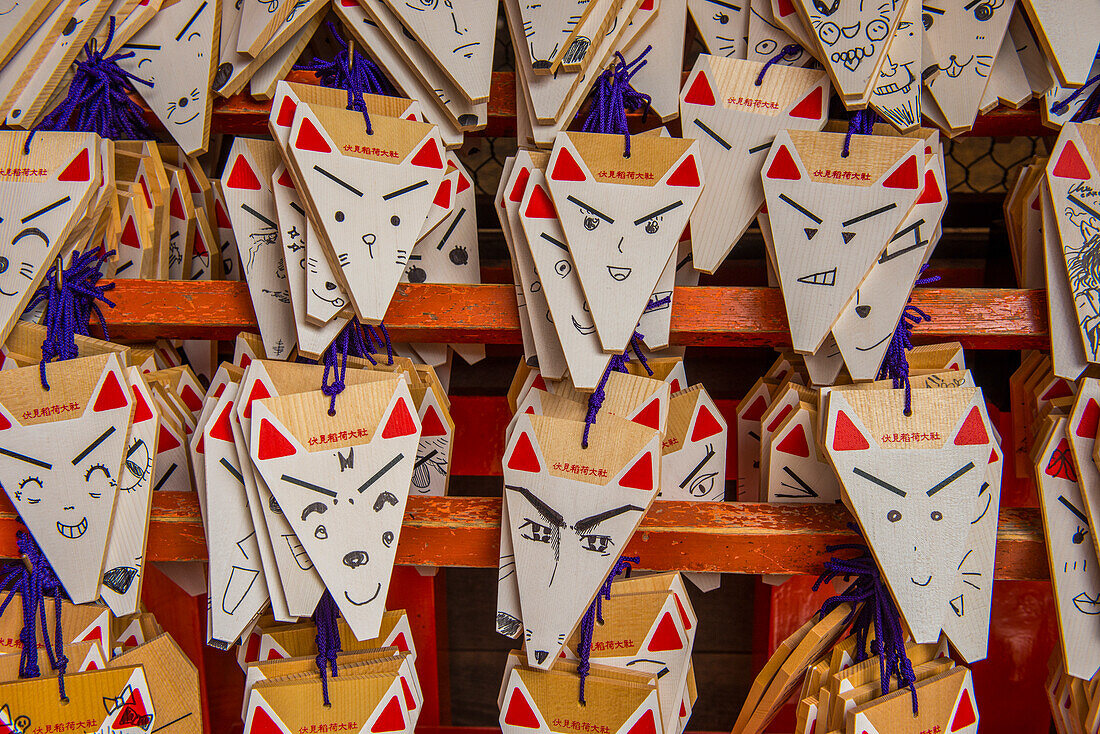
[832,216]
[296,446]
[693,461]
[913,483]
[594,497]
[947,703]
[622,218]
[62,452]
[735,122]
[115,700]
[1082,434]
[896,91]
[724,26]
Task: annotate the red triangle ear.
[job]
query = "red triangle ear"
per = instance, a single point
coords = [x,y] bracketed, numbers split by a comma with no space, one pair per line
[245,360]
[686,174]
[523,456]
[972,432]
[1071,164]
[392,718]
[400,422]
[784,7]
[778,420]
[810,108]
[220,215]
[539,384]
[141,408]
[645,725]
[520,712]
[964,714]
[110,395]
[1089,418]
[520,185]
[428,156]
[795,443]
[191,399]
[285,118]
[639,476]
[145,190]
[222,430]
[755,411]
[79,169]
[1059,389]
[400,642]
[431,425]
[540,206]
[931,193]
[700,91]
[241,176]
[272,443]
[463,183]
[175,208]
[846,437]
[191,182]
[166,441]
[285,180]
[129,234]
[666,636]
[310,138]
[443,195]
[683,614]
[566,168]
[200,245]
[263,723]
[410,702]
[650,415]
[783,166]
[706,425]
[904,176]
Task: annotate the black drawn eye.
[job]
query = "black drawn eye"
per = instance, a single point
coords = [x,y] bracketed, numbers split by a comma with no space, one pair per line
[893,515]
[829,33]
[94,468]
[339,216]
[984,11]
[536,532]
[1079,536]
[3,264]
[847,236]
[395,220]
[766,47]
[355,559]
[721,18]
[596,543]
[877,29]
[703,485]
[387,538]
[937,515]
[193,35]
[563,268]
[591,222]
[273,505]
[652,226]
[29,480]
[320,533]
[143,61]
[314,507]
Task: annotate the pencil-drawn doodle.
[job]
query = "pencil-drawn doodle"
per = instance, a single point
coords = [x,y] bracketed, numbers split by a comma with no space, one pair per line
[723,25]
[1083,264]
[120,578]
[546,26]
[136,467]
[896,93]
[431,460]
[240,581]
[852,31]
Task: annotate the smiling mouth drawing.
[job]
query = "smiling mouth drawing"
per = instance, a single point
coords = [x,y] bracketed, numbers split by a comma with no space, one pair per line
[338,302]
[918,583]
[189,119]
[377,591]
[619,274]
[2,291]
[586,330]
[852,57]
[880,341]
[72,532]
[825,277]
[1086,604]
[892,87]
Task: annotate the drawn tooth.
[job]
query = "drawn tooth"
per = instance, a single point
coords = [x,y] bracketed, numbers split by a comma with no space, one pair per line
[825,277]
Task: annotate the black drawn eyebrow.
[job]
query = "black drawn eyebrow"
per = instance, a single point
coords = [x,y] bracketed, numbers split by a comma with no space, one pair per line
[683,262]
[193,18]
[887,257]
[731,6]
[553,241]
[807,489]
[708,457]
[1074,510]
[29,460]
[799,207]
[597,212]
[232,469]
[971,4]
[658,213]
[588,523]
[139,442]
[953,477]
[174,721]
[1084,206]
[872,478]
[259,216]
[447,234]
[548,513]
[762,146]
[144,46]
[123,267]
[162,479]
[378,474]
[340,181]
[92,446]
[407,189]
[717,138]
[930,9]
[868,215]
[295,207]
[43,210]
[421,459]
[306,485]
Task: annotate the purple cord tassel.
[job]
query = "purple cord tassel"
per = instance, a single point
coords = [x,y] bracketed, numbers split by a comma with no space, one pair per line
[595,614]
[1059,107]
[70,297]
[352,340]
[862,122]
[617,364]
[789,50]
[99,98]
[895,363]
[612,96]
[358,77]
[33,585]
[328,641]
[871,605]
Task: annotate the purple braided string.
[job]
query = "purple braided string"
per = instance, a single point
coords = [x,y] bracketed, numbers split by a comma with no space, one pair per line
[99,98]
[69,308]
[862,122]
[871,605]
[789,50]
[328,641]
[1090,108]
[1059,107]
[617,364]
[32,585]
[361,76]
[595,614]
[349,341]
[895,363]
[374,339]
[611,97]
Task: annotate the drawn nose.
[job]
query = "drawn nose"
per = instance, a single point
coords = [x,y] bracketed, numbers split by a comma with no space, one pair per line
[355,559]
[540,655]
[862,311]
[620,245]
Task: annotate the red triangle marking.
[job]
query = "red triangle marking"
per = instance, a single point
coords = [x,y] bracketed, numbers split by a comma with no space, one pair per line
[931,193]
[274,654]
[401,422]
[130,235]
[4,422]
[400,642]
[1089,418]
[795,443]
[520,712]
[523,456]
[273,444]
[200,447]
[904,176]
[166,441]
[221,216]
[520,185]
[783,166]
[539,384]
[200,245]
[972,432]
[428,155]
[810,106]
[646,5]
[463,183]
[285,118]
[310,138]
[686,174]
[110,395]
[964,714]
[222,429]
[252,652]
[645,725]
[431,425]
[756,410]
[95,634]
[530,410]
[79,169]
[391,719]
[141,409]
[675,386]
[639,476]
[1059,389]
[176,207]
[785,8]
[846,437]
[778,420]
[683,710]
[700,92]
[136,703]
[706,425]
[1035,203]
[191,399]
[285,180]
[93,665]
[145,192]
[242,176]
[192,184]
[650,415]
[262,723]
[1061,465]
[259,392]
[566,168]
[443,195]
[993,456]
[683,613]
[245,360]
[540,206]
[218,392]
[1071,164]
[410,702]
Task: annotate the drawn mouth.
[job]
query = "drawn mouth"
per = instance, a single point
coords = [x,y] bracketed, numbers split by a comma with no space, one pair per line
[2,291]
[918,583]
[988,502]
[893,87]
[955,68]
[619,274]
[338,302]
[880,341]
[852,57]
[825,277]
[586,330]
[377,591]
[189,119]
[72,532]
[1086,604]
